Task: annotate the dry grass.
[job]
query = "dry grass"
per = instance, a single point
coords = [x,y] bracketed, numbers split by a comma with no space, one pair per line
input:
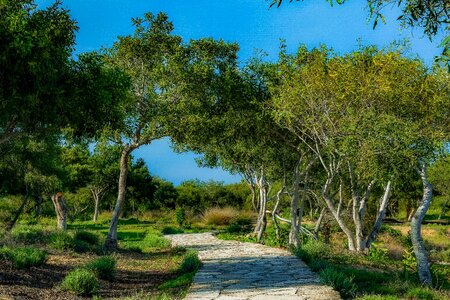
[220,216]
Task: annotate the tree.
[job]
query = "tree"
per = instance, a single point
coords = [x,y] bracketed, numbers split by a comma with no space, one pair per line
[439,174]
[433,16]
[42,89]
[168,79]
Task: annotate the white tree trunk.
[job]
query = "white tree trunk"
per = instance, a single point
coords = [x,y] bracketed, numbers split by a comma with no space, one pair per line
[293,234]
[381,214]
[420,252]
[60,209]
[111,239]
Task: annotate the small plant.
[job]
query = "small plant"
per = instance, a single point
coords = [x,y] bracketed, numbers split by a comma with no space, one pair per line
[345,285]
[421,293]
[61,240]
[180,215]
[191,262]
[313,250]
[28,235]
[409,262]
[86,236]
[24,257]
[152,240]
[104,267]
[81,282]
[378,254]
[171,230]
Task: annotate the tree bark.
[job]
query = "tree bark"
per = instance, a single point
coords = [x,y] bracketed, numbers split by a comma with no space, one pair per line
[111,239]
[381,214]
[319,221]
[293,233]
[96,194]
[60,209]
[420,252]
[19,211]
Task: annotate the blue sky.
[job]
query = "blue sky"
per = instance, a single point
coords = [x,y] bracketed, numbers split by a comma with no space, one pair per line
[254,27]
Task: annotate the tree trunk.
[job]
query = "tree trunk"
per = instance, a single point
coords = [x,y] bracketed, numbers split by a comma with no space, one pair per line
[420,252]
[111,239]
[443,209]
[19,211]
[381,214]
[319,221]
[61,210]
[262,219]
[293,234]
[96,195]
[275,212]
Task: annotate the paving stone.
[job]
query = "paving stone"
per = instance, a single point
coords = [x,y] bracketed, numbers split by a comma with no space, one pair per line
[235,270]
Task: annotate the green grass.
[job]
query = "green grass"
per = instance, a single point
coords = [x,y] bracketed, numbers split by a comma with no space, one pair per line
[81,282]
[24,257]
[179,282]
[104,267]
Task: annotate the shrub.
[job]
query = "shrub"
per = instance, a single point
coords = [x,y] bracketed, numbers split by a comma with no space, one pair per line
[313,250]
[24,257]
[243,223]
[220,216]
[377,297]
[421,293]
[81,246]
[104,267]
[152,240]
[180,215]
[339,281]
[318,265]
[81,282]
[171,230]
[191,262]
[62,240]
[28,235]
[378,254]
[88,237]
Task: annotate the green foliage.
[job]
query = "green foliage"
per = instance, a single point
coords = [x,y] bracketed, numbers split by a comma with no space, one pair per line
[378,254]
[339,281]
[87,236]
[153,240]
[191,263]
[104,267]
[28,235]
[24,257]
[409,261]
[241,224]
[81,282]
[62,240]
[421,293]
[180,215]
[181,281]
[377,297]
[171,230]
[318,265]
[313,250]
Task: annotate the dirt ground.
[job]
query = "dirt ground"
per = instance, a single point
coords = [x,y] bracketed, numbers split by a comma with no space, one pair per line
[39,283]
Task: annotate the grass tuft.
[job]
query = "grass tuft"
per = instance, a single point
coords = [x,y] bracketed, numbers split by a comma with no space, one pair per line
[24,257]
[104,267]
[81,282]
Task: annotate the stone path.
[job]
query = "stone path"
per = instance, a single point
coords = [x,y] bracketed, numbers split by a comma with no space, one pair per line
[235,270]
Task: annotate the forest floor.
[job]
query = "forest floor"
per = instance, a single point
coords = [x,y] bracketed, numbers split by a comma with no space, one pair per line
[143,265]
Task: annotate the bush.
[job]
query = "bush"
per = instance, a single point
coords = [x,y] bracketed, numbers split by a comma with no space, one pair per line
[81,246]
[318,265]
[191,262]
[243,223]
[339,281]
[421,293]
[313,250]
[24,257]
[180,215]
[88,237]
[28,235]
[81,282]
[171,230]
[104,267]
[220,216]
[378,254]
[152,240]
[62,240]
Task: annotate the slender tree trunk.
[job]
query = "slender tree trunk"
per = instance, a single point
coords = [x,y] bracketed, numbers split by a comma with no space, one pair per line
[275,212]
[381,214]
[420,252]
[262,219]
[111,239]
[61,210]
[95,194]
[19,211]
[293,233]
[319,222]
[443,209]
